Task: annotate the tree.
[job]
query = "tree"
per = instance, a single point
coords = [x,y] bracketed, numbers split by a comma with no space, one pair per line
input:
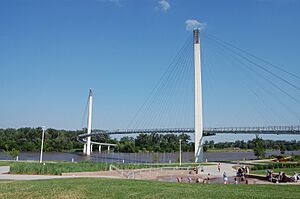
[282,149]
[14,153]
[259,147]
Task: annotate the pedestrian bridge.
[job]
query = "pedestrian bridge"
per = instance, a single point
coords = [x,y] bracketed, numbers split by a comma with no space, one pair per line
[282,130]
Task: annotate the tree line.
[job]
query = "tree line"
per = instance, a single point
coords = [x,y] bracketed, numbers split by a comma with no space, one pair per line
[29,139]
[251,144]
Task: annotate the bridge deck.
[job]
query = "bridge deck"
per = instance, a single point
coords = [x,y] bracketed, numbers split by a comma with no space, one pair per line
[287,130]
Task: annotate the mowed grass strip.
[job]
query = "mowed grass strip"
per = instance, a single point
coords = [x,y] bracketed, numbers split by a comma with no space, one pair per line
[56,168]
[114,188]
[288,171]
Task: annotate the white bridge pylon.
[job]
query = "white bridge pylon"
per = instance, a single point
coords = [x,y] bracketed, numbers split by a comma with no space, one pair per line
[198,98]
[88,144]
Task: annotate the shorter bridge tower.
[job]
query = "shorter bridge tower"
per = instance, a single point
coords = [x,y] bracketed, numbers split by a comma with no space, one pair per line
[87,146]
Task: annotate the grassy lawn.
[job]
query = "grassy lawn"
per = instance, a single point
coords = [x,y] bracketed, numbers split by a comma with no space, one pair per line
[112,188]
[288,171]
[56,168]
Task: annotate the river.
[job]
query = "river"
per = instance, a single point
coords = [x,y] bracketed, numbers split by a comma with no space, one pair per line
[139,157]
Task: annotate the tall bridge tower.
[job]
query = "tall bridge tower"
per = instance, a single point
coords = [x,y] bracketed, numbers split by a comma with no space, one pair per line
[198,98]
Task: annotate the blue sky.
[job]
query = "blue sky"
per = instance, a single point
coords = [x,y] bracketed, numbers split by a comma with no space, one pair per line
[53,51]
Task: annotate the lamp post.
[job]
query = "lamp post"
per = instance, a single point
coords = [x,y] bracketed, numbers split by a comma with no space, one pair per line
[180,152]
[42,145]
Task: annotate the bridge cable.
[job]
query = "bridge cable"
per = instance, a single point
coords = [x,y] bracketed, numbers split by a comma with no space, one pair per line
[274,85]
[254,56]
[162,83]
[84,115]
[161,100]
[252,91]
[230,63]
[175,80]
[256,64]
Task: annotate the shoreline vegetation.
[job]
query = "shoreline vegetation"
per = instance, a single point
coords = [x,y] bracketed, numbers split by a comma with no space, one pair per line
[57,168]
[29,140]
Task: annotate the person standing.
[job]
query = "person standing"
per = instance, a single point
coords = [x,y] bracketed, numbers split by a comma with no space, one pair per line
[219,167]
[225,178]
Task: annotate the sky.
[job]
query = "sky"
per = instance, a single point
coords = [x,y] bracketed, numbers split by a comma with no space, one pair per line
[53,51]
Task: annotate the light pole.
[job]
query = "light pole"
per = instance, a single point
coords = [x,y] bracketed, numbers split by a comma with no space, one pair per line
[42,145]
[180,152]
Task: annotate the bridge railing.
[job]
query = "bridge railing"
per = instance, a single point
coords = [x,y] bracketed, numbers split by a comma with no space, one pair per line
[255,129]
[206,131]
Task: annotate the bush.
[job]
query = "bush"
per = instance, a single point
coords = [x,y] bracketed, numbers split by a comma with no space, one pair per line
[275,166]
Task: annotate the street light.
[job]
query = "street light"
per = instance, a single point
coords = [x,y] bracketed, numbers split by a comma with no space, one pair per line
[42,145]
[180,152]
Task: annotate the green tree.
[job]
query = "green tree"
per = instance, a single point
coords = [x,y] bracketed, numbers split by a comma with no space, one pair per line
[14,153]
[259,147]
[282,149]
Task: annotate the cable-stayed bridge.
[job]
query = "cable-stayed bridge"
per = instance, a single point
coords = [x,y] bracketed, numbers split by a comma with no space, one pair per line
[198,129]
[276,130]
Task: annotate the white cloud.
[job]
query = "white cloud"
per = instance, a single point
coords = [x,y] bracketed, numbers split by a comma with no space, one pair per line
[164,5]
[193,23]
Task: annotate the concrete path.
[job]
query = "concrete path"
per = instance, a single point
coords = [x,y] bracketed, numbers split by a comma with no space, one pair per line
[27,177]
[4,169]
[213,169]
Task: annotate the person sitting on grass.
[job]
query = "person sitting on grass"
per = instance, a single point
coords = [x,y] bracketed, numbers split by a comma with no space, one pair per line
[235,180]
[295,177]
[269,176]
[278,178]
[208,178]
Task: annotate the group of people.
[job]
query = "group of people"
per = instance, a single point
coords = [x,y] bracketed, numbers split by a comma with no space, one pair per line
[281,177]
[206,180]
[243,172]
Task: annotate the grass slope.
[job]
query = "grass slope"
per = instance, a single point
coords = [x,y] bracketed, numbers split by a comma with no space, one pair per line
[56,168]
[112,188]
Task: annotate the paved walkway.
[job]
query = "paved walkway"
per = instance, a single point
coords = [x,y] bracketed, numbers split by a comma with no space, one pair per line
[27,177]
[4,169]
[212,169]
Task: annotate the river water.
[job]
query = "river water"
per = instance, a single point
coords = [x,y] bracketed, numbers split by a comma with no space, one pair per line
[139,157]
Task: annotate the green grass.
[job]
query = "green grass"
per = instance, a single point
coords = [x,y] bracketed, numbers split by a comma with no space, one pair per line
[56,168]
[288,171]
[113,188]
